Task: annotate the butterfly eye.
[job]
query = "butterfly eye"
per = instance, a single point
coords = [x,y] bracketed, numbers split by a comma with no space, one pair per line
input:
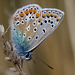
[27,56]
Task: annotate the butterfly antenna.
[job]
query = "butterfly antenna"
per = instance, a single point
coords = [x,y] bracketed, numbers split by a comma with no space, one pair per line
[34,61]
[43,62]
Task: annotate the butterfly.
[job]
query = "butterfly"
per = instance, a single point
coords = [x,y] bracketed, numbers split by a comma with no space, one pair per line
[31,25]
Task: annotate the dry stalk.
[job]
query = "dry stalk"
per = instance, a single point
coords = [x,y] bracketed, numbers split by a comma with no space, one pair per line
[12,55]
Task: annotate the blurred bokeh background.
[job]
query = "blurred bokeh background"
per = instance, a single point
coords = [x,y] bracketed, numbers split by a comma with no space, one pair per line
[58,50]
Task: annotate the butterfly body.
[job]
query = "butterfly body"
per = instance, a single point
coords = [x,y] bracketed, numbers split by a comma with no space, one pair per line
[31,25]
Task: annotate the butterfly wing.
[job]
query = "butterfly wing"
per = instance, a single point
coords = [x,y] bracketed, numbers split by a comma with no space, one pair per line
[50,20]
[24,25]
[31,25]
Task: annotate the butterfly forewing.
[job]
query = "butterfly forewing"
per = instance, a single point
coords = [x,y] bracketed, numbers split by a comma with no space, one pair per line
[31,25]
[25,26]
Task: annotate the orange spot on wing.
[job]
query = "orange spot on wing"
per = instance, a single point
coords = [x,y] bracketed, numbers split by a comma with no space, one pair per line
[37,15]
[21,14]
[34,11]
[26,12]
[43,15]
[58,19]
[39,19]
[48,15]
[16,18]
[55,16]
[30,10]
[52,15]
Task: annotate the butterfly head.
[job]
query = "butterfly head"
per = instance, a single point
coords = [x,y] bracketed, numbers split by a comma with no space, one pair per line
[25,55]
[28,56]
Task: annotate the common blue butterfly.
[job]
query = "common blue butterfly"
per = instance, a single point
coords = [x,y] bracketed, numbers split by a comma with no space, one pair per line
[31,25]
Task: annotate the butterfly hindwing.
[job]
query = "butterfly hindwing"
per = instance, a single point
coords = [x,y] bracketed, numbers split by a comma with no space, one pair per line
[50,20]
